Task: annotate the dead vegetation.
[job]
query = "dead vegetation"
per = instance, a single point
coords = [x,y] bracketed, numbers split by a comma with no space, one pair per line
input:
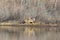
[47,10]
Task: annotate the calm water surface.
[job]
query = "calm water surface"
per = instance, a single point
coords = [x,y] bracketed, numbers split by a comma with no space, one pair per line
[29,33]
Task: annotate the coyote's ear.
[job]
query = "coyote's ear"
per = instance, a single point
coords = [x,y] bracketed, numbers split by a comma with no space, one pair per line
[33,19]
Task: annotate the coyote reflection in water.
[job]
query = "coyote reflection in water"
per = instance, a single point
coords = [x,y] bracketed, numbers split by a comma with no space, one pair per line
[29,32]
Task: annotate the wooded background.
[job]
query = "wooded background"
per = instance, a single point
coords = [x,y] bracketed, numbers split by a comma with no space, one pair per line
[42,10]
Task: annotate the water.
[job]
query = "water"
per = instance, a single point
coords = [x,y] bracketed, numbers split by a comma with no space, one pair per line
[29,33]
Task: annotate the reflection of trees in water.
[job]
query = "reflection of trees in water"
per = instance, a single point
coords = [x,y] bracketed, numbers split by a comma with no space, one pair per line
[44,35]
